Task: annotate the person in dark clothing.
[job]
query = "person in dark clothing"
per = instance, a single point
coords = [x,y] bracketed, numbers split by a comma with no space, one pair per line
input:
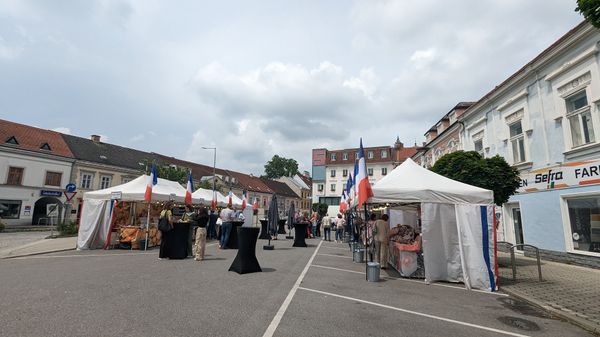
[199,247]
[212,225]
[166,212]
[190,216]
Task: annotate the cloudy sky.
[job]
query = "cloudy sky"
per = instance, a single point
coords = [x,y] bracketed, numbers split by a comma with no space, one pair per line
[258,78]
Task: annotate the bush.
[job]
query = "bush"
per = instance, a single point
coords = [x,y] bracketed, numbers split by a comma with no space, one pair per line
[2,226]
[68,228]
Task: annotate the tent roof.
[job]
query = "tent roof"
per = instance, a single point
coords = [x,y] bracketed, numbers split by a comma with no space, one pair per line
[410,182]
[204,196]
[134,190]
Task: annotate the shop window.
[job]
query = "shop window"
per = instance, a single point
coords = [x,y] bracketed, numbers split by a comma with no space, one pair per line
[344,173]
[53,178]
[320,187]
[345,156]
[370,154]
[332,174]
[105,182]
[383,171]
[517,141]
[384,154]
[332,188]
[15,176]
[86,180]
[580,119]
[10,209]
[584,218]
[370,170]
[333,157]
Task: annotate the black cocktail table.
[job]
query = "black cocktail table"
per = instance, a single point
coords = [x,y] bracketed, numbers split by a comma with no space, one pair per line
[264,230]
[233,236]
[300,230]
[245,261]
[281,226]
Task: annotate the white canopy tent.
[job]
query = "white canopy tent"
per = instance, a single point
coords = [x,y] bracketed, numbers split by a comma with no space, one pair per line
[205,196]
[457,222]
[97,208]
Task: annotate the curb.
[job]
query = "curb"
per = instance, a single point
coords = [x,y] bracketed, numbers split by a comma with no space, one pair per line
[36,253]
[582,323]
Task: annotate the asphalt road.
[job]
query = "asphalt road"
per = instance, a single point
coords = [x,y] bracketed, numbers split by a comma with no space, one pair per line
[315,291]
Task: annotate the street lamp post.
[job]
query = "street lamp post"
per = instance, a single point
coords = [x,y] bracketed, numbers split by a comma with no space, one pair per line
[214,168]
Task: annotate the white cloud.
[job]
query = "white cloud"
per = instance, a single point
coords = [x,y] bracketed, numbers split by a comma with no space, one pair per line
[62,129]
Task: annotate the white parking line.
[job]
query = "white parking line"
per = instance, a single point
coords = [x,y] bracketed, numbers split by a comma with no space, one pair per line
[332,247]
[88,255]
[343,257]
[277,319]
[414,281]
[481,327]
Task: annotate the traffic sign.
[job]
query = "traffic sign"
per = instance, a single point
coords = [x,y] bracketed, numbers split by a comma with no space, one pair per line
[70,187]
[69,195]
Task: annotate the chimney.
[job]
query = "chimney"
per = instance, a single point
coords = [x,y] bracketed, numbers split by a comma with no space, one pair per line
[306,174]
[95,138]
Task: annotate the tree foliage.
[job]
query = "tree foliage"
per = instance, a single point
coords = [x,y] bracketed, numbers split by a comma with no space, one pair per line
[280,167]
[170,172]
[320,208]
[490,173]
[590,9]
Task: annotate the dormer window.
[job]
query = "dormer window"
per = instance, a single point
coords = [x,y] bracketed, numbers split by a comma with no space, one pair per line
[46,147]
[12,140]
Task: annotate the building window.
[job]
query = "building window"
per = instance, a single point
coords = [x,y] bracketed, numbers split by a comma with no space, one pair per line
[12,140]
[345,156]
[104,182]
[332,175]
[370,154]
[383,171]
[333,157]
[320,187]
[15,176]
[86,180]
[355,155]
[384,154]
[53,178]
[332,188]
[10,209]
[46,147]
[370,170]
[344,187]
[580,119]
[478,144]
[584,218]
[344,173]
[127,179]
[517,142]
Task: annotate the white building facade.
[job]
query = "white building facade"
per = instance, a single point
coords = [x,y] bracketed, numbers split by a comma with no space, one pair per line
[545,121]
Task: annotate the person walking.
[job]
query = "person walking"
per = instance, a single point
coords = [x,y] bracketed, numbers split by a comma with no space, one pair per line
[326,223]
[382,238]
[166,213]
[227,218]
[200,244]
[339,228]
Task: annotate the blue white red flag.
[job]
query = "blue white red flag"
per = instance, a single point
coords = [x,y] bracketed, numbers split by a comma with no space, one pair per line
[244,197]
[152,180]
[362,179]
[189,189]
[255,205]
[230,202]
[349,189]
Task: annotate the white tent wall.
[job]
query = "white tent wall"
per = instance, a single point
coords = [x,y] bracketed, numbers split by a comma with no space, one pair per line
[476,226]
[440,243]
[93,218]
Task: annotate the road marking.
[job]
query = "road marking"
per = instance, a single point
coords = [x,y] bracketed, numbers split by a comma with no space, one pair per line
[416,313]
[41,256]
[279,315]
[414,281]
[332,247]
[343,257]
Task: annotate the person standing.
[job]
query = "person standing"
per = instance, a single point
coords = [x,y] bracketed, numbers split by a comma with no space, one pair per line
[368,236]
[313,224]
[166,213]
[339,228]
[200,245]
[227,218]
[326,223]
[382,238]
[212,225]
[190,217]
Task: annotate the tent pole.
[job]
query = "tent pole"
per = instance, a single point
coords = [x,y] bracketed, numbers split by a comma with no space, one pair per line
[147,227]
[366,243]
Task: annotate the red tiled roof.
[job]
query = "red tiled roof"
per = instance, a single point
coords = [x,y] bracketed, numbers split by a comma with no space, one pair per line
[32,139]
[307,180]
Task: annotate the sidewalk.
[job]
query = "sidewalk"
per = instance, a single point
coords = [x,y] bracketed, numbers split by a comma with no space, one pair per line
[567,291]
[40,247]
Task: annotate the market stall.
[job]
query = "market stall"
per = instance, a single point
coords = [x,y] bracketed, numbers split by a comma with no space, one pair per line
[119,214]
[458,236]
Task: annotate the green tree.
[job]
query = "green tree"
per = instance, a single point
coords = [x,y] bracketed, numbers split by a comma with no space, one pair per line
[320,208]
[490,173]
[280,167]
[590,9]
[170,172]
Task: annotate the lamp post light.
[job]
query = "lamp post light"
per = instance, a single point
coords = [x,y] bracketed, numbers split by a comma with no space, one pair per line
[214,168]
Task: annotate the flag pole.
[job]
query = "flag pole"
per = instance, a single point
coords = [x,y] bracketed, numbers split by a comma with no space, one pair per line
[147,227]
[366,243]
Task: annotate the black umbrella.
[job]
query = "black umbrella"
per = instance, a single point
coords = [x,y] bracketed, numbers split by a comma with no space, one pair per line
[272,219]
[290,220]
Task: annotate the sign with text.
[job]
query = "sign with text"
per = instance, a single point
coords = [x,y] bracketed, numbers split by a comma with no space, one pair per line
[117,195]
[49,193]
[561,176]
